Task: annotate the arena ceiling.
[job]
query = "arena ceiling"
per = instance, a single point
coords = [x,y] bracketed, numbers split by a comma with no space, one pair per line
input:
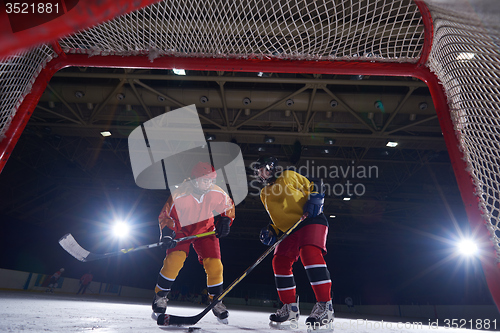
[62,166]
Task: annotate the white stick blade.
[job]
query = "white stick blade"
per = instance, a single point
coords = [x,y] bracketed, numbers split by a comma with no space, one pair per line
[69,243]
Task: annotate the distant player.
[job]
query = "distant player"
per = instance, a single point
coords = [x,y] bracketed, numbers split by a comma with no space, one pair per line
[194,198]
[84,282]
[53,280]
[350,304]
[286,198]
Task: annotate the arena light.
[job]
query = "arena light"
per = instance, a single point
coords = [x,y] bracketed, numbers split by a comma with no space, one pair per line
[392,144]
[467,247]
[269,139]
[329,141]
[121,229]
[179,71]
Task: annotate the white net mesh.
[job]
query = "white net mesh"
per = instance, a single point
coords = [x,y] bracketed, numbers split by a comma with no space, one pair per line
[383,30]
[299,30]
[17,75]
[465,57]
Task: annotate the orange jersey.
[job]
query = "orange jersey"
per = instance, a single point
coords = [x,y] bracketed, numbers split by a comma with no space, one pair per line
[186,214]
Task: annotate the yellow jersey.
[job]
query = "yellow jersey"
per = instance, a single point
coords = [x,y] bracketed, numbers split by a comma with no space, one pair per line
[285,198]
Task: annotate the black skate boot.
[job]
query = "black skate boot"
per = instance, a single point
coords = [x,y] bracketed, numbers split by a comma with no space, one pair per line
[322,316]
[220,311]
[287,315]
[159,304]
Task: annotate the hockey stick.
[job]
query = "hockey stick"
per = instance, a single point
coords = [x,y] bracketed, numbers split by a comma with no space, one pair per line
[69,243]
[168,320]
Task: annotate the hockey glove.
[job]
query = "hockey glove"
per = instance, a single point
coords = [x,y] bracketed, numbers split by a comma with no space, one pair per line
[167,239]
[314,206]
[222,226]
[268,235]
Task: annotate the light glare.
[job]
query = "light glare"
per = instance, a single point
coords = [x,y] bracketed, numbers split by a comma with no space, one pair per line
[121,229]
[467,247]
[179,71]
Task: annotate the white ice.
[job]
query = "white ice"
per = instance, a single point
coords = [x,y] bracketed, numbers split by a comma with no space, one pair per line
[41,312]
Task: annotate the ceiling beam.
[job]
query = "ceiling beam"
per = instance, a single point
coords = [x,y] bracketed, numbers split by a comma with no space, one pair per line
[106,101]
[246,79]
[270,107]
[400,105]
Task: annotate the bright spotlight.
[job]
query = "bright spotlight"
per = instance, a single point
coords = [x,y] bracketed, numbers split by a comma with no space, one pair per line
[179,71]
[467,247]
[121,229]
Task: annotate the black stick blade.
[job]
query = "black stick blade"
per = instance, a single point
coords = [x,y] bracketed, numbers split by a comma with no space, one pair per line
[172,320]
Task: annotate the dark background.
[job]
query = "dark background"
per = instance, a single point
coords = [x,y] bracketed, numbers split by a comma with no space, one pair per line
[393,245]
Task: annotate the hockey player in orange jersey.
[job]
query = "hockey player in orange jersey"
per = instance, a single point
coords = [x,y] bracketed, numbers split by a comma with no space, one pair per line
[188,211]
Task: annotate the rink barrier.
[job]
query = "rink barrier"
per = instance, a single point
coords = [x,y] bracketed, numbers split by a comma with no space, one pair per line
[35,282]
[18,280]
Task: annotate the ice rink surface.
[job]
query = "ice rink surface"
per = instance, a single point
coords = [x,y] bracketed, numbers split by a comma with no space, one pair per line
[42,312]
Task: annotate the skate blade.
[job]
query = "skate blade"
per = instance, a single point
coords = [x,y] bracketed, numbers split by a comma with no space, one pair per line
[224,321]
[320,329]
[323,329]
[154,316]
[176,329]
[284,326]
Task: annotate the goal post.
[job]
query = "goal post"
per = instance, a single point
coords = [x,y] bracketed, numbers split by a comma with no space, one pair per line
[453,53]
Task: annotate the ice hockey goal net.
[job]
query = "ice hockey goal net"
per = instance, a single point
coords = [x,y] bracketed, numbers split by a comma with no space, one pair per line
[455,53]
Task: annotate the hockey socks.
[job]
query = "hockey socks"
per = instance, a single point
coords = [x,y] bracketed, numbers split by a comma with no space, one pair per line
[172,264]
[317,272]
[283,277]
[213,269]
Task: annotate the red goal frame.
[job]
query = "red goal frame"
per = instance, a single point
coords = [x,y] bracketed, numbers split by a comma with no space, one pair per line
[106,10]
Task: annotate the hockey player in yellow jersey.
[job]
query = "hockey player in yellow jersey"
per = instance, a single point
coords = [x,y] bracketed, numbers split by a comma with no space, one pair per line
[286,197]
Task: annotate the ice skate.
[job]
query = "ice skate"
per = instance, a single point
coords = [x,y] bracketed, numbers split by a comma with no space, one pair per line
[287,317]
[159,304]
[321,317]
[220,311]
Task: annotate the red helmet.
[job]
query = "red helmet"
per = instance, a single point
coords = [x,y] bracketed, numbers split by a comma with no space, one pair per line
[203,170]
